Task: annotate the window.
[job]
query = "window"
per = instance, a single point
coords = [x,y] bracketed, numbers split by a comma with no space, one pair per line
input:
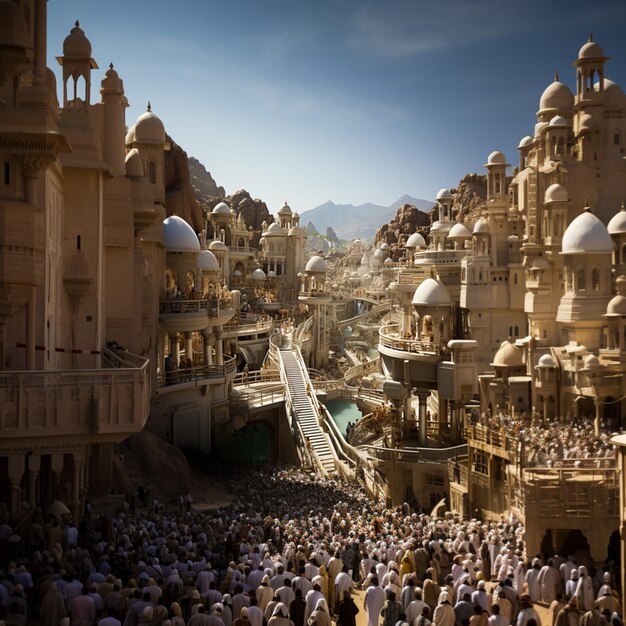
[78,243]
[595,279]
[616,138]
[152,172]
[7,173]
[581,279]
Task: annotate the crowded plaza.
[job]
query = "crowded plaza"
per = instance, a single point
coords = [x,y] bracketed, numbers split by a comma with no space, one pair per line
[290,549]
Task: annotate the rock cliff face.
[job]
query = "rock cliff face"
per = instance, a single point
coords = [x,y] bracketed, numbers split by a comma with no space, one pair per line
[407,221]
[254,211]
[470,196]
[203,185]
[179,197]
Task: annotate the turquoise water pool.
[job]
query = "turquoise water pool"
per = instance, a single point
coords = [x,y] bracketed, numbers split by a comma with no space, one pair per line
[343,411]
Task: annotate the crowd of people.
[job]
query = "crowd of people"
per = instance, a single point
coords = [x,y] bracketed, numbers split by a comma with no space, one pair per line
[291,550]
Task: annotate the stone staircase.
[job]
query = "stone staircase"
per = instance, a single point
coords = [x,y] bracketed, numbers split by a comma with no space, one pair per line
[304,410]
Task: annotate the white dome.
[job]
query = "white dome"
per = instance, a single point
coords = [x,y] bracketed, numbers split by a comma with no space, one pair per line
[384,246]
[415,241]
[480,227]
[508,355]
[149,128]
[591,361]
[587,235]
[178,236]
[496,158]
[555,193]
[258,274]
[130,135]
[388,262]
[378,254]
[613,95]
[558,120]
[590,50]
[546,360]
[237,274]
[556,96]
[217,244]
[134,164]
[540,127]
[459,231]
[206,261]
[432,292]
[540,263]
[617,225]
[444,194]
[271,274]
[525,142]
[221,208]
[617,305]
[274,229]
[316,264]
[285,210]
[586,123]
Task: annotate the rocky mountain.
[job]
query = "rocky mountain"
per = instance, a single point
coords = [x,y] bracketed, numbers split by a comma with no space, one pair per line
[179,194]
[202,183]
[470,195]
[407,220]
[350,221]
[254,211]
[327,243]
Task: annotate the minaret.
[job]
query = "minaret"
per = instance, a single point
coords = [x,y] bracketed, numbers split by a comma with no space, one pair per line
[114,102]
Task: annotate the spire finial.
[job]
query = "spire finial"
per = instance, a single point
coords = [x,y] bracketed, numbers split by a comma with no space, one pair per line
[111,65]
[556,76]
[77,24]
[149,106]
[590,36]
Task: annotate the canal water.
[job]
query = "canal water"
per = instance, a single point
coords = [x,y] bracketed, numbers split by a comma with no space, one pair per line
[343,411]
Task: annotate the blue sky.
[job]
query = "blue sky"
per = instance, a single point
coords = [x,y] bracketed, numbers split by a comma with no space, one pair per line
[343,100]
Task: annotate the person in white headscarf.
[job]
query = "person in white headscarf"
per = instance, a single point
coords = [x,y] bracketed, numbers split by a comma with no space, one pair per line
[373,602]
[321,616]
[444,614]
[280,616]
[584,589]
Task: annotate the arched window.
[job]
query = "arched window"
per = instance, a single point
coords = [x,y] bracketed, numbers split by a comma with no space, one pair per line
[152,172]
[595,279]
[497,184]
[616,138]
[560,146]
[581,279]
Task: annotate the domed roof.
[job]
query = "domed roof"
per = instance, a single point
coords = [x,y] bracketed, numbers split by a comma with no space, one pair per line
[271,274]
[546,360]
[219,245]
[586,123]
[388,262]
[178,236]
[134,164]
[540,127]
[459,231]
[130,135]
[237,274]
[591,361]
[206,261]
[13,26]
[384,246]
[558,120]
[274,229]
[378,254]
[149,128]
[316,264]
[508,355]
[540,263]
[586,235]
[431,292]
[415,241]
[555,193]
[285,210]
[556,96]
[617,305]
[590,50]
[496,158]
[221,208]
[76,44]
[111,81]
[258,274]
[525,142]
[617,225]
[480,227]
[444,194]
[613,95]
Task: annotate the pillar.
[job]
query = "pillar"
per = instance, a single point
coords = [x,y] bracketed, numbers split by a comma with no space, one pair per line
[219,347]
[77,457]
[40,40]
[596,421]
[422,418]
[16,471]
[175,349]
[34,465]
[188,345]
[206,345]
